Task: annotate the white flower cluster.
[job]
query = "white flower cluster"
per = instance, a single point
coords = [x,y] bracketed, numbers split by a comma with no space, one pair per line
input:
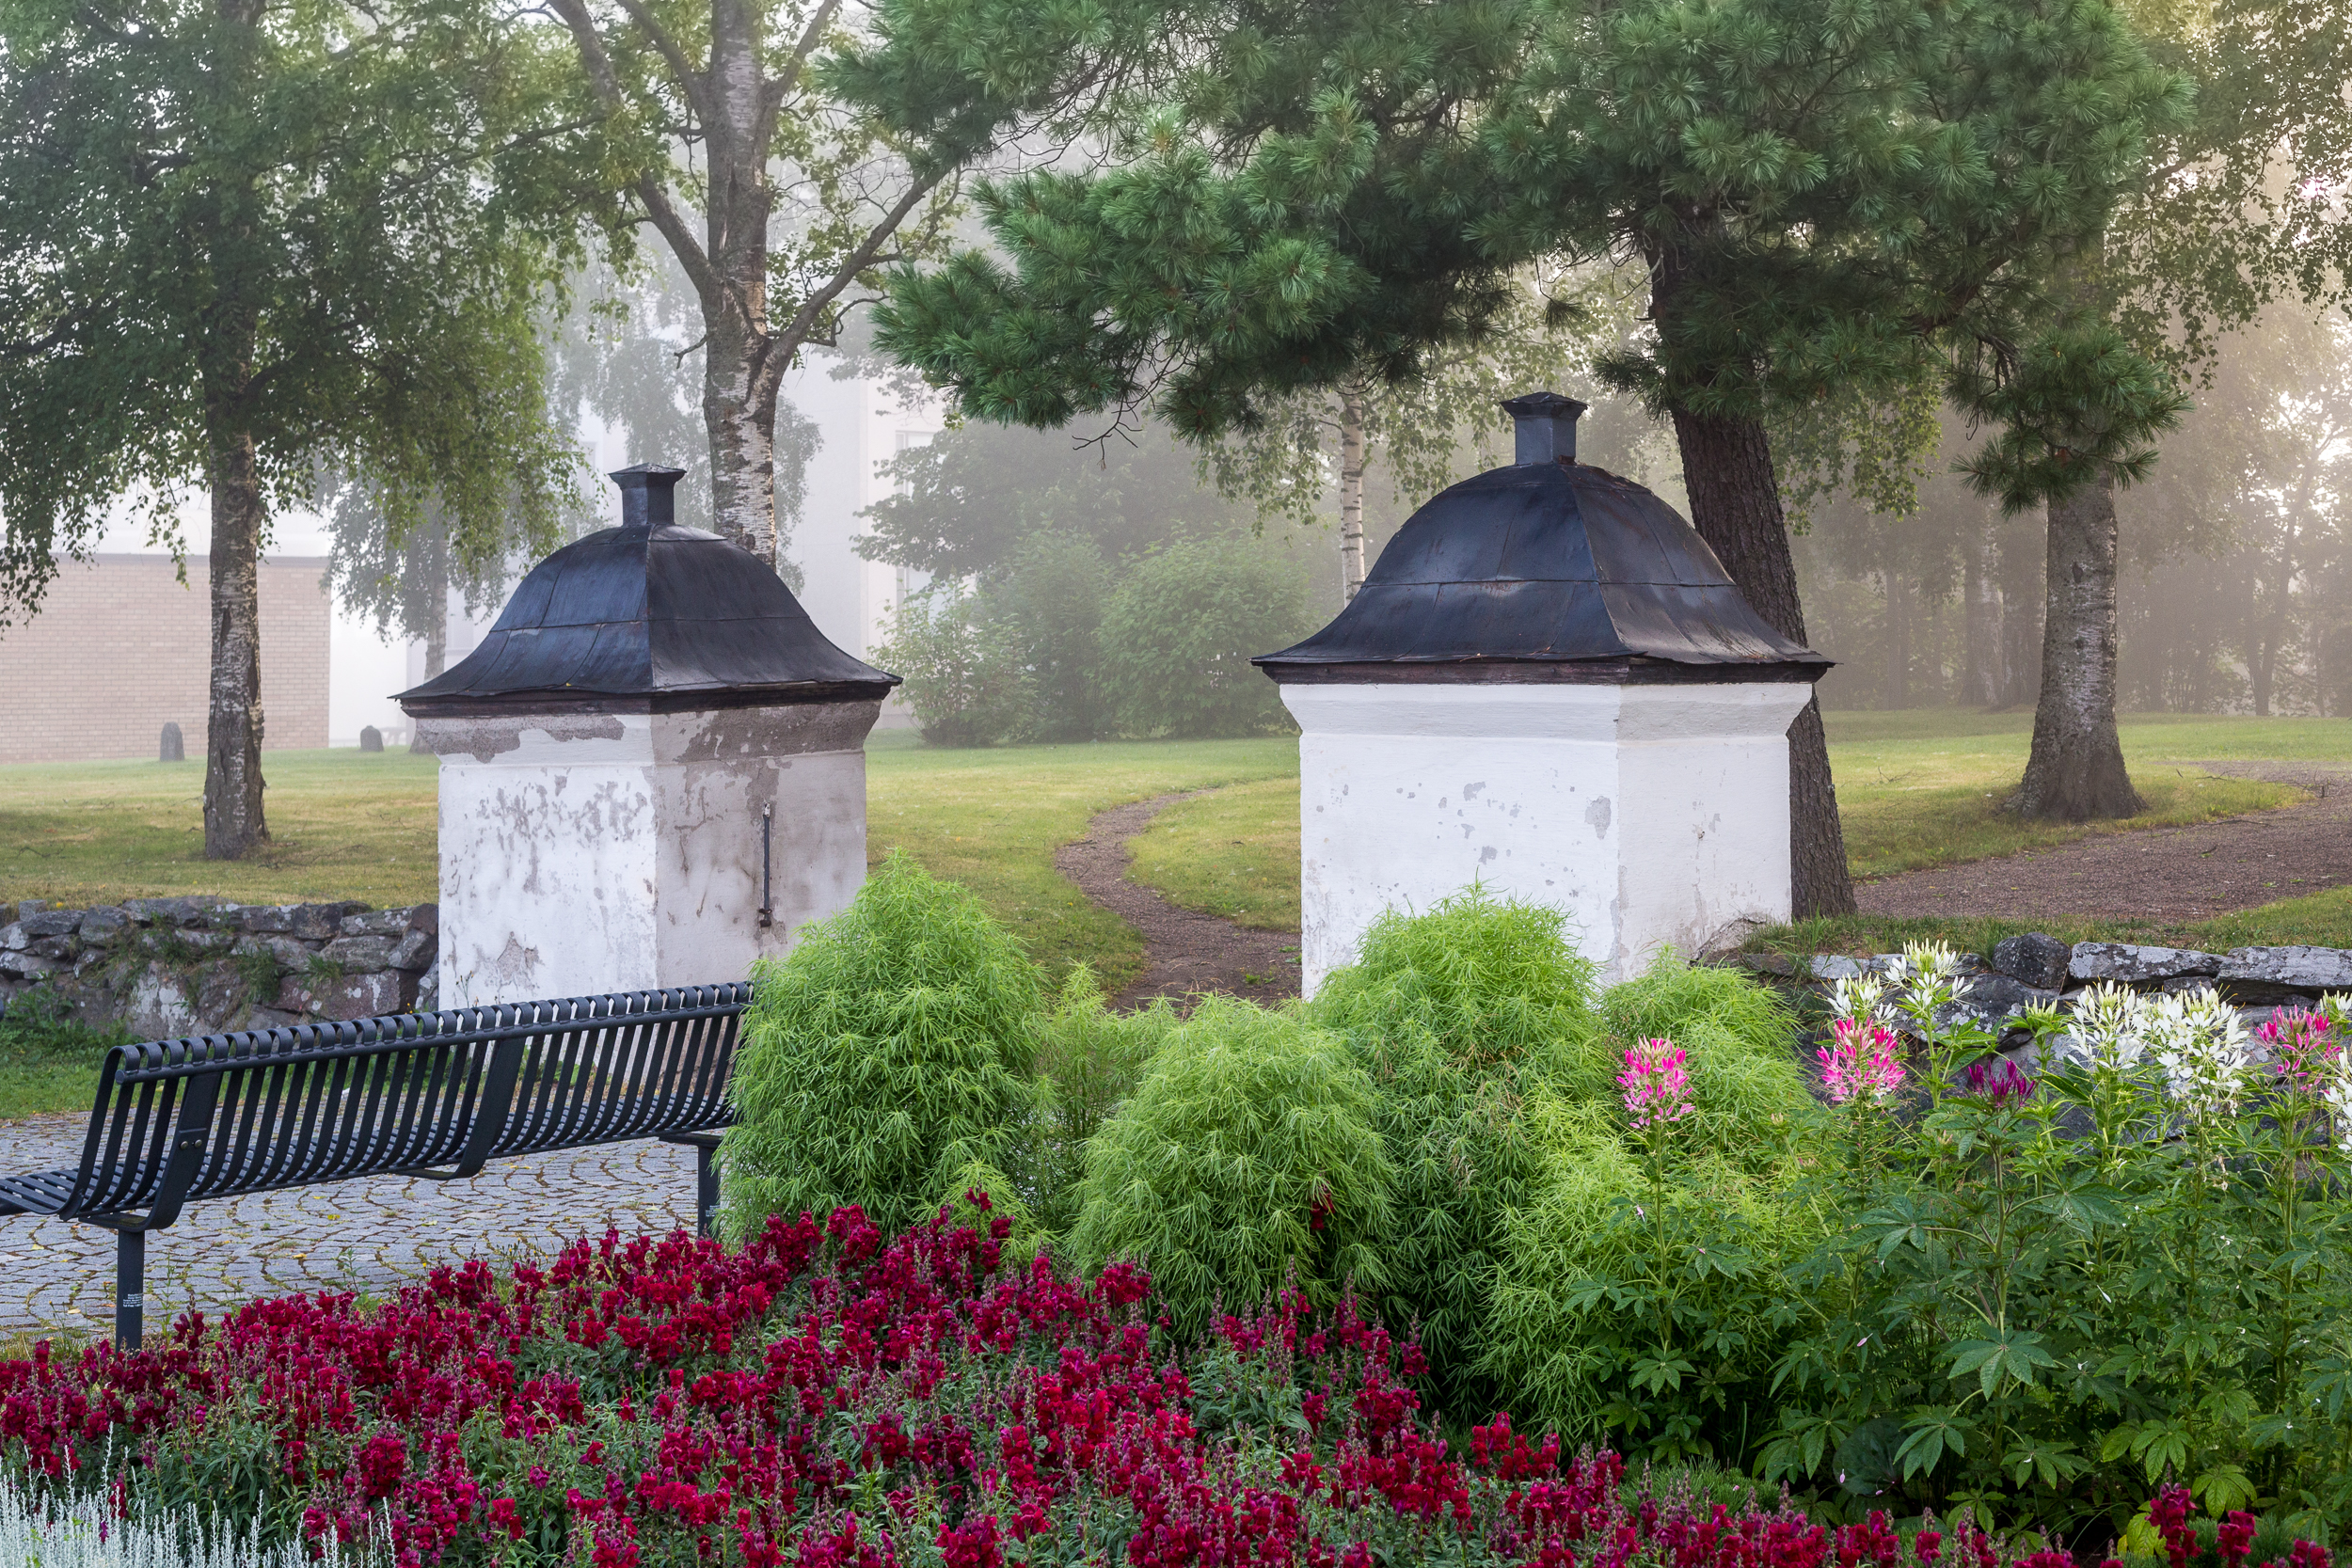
[2194,1036]
[2201,1044]
[2111,1023]
[1862,997]
[1919,981]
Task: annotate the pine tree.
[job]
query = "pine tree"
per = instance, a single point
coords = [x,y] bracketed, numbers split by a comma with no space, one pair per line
[2242,208]
[1822,197]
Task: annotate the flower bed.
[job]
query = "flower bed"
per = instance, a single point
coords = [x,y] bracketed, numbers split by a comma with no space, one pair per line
[823,1399]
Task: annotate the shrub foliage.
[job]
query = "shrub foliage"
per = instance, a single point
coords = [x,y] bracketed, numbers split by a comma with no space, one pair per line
[1248,1159]
[884,1060]
[1455,1014]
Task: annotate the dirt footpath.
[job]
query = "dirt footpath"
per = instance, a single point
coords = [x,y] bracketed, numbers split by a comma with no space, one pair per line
[1186,951]
[2162,874]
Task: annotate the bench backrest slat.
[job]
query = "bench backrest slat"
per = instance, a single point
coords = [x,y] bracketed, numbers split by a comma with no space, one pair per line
[633,1077]
[322,1103]
[322,1120]
[122,1154]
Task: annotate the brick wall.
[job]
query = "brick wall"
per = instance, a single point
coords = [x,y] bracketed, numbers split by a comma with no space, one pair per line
[120,647]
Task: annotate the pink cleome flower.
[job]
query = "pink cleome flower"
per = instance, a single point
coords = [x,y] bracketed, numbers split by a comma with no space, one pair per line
[2303,1047]
[1656,1087]
[1860,1062]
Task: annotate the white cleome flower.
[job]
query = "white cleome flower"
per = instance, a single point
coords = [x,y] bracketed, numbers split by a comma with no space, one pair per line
[1929,961]
[1927,971]
[1862,997]
[2337,1092]
[2112,1023]
[2203,1047]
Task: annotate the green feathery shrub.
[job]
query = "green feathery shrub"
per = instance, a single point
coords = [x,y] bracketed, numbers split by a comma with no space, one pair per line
[1089,1061]
[1451,1012]
[1642,1303]
[1245,1159]
[887,1061]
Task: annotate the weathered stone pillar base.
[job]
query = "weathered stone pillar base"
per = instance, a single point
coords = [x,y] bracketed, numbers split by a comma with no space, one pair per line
[586,853]
[1650,815]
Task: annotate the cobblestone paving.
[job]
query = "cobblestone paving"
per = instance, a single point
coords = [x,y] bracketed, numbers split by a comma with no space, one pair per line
[367,1234]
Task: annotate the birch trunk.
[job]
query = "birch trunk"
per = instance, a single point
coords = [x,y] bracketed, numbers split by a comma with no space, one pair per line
[740,376]
[436,647]
[1735,504]
[233,819]
[1351,491]
[2076,770]
[233,822]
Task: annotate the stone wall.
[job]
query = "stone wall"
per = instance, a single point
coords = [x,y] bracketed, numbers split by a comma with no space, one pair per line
[2038,970]
[121,646]
[165,967]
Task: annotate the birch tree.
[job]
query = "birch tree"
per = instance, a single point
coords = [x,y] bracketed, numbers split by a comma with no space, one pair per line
[764,167]
[243,242]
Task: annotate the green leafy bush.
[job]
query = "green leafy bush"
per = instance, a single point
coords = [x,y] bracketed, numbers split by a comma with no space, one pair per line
[884,1060]
[2062,1289]
[1454,1013]
[1048,600]
[1180,630]
[1247,1158]
[1640,1292]
[963,671]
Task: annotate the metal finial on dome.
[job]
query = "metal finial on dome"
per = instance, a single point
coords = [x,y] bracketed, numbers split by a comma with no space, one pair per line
[1546,427]
[648,494]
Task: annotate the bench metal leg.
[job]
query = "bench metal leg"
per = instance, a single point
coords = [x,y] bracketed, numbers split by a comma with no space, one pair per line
[705,1190]
[130,1287]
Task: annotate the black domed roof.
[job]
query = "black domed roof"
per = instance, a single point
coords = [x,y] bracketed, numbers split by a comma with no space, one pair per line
[1548,570]
[648,617]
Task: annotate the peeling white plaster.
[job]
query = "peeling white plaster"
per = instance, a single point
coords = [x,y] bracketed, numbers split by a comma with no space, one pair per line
[1649,816]
[586,854]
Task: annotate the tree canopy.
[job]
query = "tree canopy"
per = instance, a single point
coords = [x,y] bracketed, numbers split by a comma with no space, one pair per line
[247,242]
[1824,199]
[328,231]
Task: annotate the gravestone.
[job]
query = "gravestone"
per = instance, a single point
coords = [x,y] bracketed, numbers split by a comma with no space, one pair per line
[371,738]
[173,748]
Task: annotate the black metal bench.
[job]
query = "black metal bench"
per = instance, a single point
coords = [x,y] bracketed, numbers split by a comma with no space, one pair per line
[421,1093]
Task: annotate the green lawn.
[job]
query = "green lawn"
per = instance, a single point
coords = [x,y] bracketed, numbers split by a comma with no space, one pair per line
[991,819]
[352,825]
[344,824]
[1918,788]
[1233,853]
[1914,789]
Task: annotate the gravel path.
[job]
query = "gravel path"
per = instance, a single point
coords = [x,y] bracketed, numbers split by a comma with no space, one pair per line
[1186,950]
[2162,874]
[365,1234]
